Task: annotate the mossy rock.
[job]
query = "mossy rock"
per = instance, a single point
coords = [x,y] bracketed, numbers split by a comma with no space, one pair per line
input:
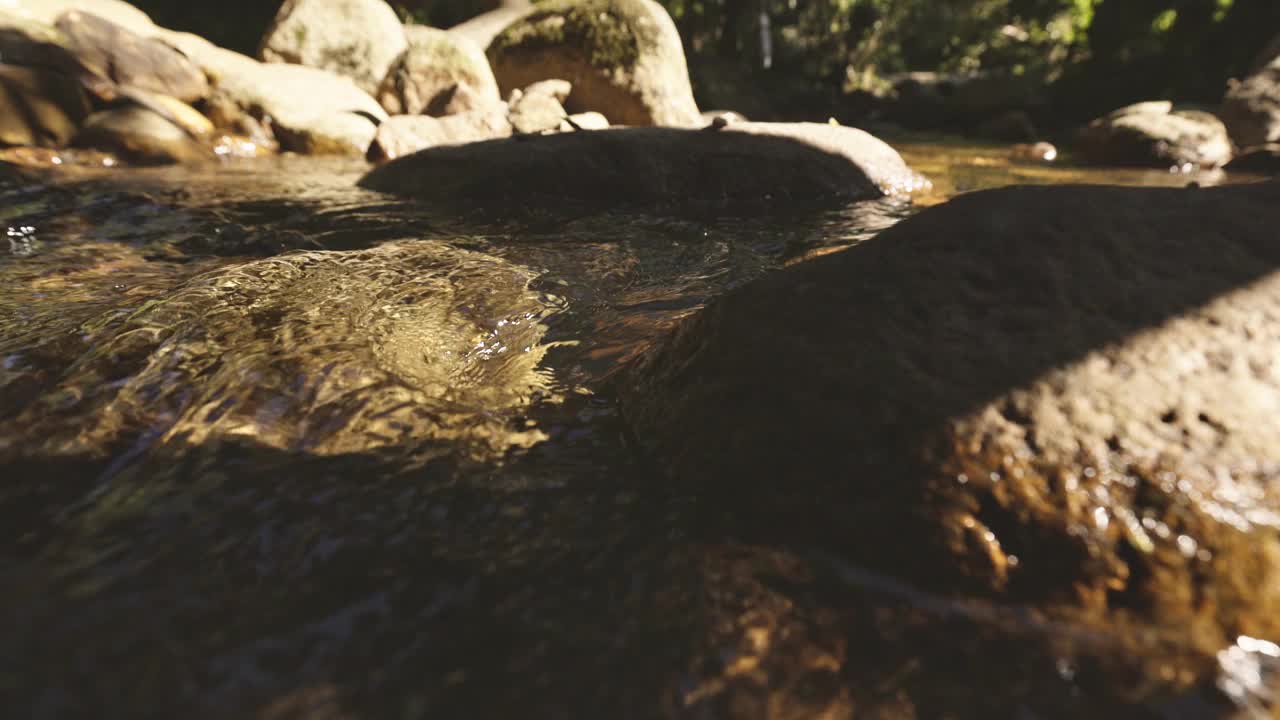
[430,72]
[623,57]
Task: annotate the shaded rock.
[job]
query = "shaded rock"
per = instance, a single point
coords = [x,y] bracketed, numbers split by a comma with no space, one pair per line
[172,109]
[745,167]
[481,29]
[423,79]
[1011,126]
[1251,107]
[462,98]
[140,136]
[404,134]
[358,39]
[30,43]
[117,11]
[1263,159]
[535,112]
[585,121]
[113,52]
[310,110]
[933,99]
[1153,133]
[39,107]
[1063,395]
[623,58]
[1040,152]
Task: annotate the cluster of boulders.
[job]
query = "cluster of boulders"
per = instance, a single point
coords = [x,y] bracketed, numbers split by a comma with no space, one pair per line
[333,77]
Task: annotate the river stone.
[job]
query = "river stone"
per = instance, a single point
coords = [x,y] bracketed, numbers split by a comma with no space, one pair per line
[192,121]
[623,57]
[358,39]
[31,43]
[1251,108]
[482,28]
[140,136]
[535,112]
[117,11]
[1153,133]
[1263,159]
[112,51]
[585,121]
[425,77]
[745,167]
[39,107]
[405,134]
[1062,395]
[311,110]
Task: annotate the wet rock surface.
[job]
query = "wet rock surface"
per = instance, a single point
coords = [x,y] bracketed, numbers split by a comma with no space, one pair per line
[623,57]
[357,39]
[435,66]
[1054,395]
[1153,133]
[744,166]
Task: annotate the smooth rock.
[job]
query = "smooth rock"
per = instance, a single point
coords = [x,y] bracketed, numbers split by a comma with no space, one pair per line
[426,76]
[114,52]
[623,58]
[535,112]
[1064,396]
[585,121]
[557,89]
[309,109]
[1153,133]
[1251,107]
[481,29]
[39,107]
[30,43]
[192,121]
[140,136]
[1262,159]
[405,134]
[117,11]
[746,167]
[358,39]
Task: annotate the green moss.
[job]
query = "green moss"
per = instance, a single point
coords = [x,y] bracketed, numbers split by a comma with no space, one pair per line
[612,32]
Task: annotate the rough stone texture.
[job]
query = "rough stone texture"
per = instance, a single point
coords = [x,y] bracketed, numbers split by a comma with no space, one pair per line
[140,136]
[1065,396]
[746,167]
[112,51]
[1153,133]
[425,77]
[1263,159]
[623,57]
[39,107]
[1251,108]
[557,89]
[405,134]
[358,39]
[48,11]
[535,112]
[481,29]
[310,110]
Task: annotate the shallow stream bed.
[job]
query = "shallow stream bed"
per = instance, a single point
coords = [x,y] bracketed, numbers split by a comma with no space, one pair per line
[274,446]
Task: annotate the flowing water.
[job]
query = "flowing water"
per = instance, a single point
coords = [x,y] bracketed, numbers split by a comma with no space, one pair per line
[275,446]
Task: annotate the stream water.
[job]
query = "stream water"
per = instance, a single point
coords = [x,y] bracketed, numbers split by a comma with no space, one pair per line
[274,446]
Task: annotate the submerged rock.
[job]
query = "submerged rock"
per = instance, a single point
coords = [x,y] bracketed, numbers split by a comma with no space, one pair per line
[623,57]
[140,136]
[1153,133]
[1251,107]
[405,134]
[1064,396]
[114,52]
[39,107]
[427,76]
[746,166]
[358,39]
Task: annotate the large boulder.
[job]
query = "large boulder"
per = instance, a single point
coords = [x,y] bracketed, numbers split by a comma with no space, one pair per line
[1251,108]
[745,166]
[39,106]
[623,57]
[117,53]
[434,69]
[358,39]
[405,134]
[311,110]
[117,11]
[1153,133]
[30,43]
[141,136]
[1064,396]
[482,28]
